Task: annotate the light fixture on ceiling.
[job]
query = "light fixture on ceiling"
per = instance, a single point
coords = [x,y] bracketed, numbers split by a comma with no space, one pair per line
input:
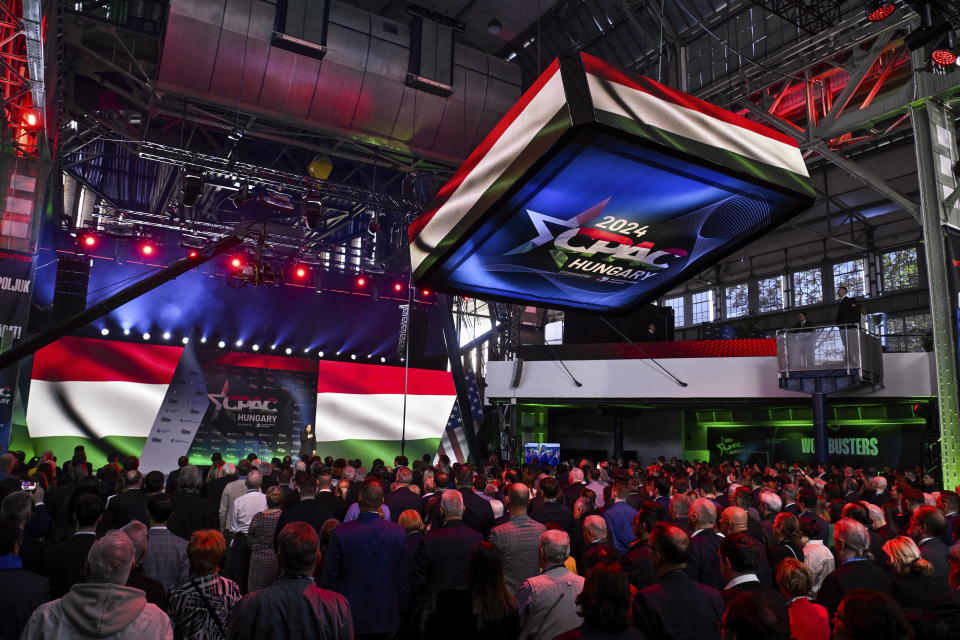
[494,27]
[878,10]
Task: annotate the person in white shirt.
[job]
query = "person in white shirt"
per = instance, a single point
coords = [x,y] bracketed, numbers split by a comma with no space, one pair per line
[242,510]
[818,558]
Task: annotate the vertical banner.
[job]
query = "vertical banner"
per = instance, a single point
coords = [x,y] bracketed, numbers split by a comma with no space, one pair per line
[255,404]
[16,275]
[952,237]
[178,419]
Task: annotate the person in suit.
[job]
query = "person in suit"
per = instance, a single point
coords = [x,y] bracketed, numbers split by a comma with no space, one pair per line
[20,591]
[808,621]
[191,512]
[914,583]
[365,547]
[308,443]
[735,520]
[638,561]
[551,511]
[293,606]
[442,560]
[675,606]
[130,504]
[788,496]
[66,562]
[808,506]
[574,488]
[402,498]
[548,602]
[926,527]
[851,543]
[166,557]
[804,340]
[650,334]
[172,478]
[517,539]
[879,494]
[156,593]
[619,517]
[314,507]
[213,490]
[478,514]
[949,503]
[848,314]
[739,566]
[703,562]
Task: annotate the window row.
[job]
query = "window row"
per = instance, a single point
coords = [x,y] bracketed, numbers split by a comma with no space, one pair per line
[898,269]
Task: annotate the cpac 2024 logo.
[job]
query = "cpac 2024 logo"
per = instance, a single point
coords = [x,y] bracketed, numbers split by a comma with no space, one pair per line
[224,401]
[611,236]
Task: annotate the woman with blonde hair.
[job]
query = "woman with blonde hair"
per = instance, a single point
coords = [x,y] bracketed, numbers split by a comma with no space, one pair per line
[914,585]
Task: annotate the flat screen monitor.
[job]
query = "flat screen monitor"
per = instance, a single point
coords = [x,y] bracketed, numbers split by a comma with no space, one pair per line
[542,452]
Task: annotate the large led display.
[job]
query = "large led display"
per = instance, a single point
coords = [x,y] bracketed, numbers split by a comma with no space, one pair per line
[599,192]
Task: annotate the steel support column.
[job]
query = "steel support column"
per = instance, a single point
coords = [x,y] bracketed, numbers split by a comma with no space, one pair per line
[820,416]
[936,145]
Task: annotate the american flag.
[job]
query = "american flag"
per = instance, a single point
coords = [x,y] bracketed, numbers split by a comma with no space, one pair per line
[454,440]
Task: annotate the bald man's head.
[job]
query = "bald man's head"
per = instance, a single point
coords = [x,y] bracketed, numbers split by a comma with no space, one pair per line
[518,496]
[733,520]
[702,514]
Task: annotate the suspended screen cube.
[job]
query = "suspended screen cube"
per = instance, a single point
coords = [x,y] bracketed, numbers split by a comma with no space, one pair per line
[600,191]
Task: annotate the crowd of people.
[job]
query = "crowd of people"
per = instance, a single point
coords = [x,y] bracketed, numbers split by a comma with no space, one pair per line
[324,548]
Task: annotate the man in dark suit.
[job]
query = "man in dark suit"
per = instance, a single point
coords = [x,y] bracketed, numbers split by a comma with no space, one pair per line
[442,561]
[402,498]
[650,334]
[949,503]
[65,563]
[293,606]
[676,606]
[172,485]
[214,489]
[735,520]
[808,506]
[314,507]
[878,494]
[365,547]
[573,490]
[478,514]
[788,495]
[848,314]
[851,540]
[703,562]
[129,505]
[191,512]
[926,527]
[739,564]
[551,510]
[638,561]
[20,591]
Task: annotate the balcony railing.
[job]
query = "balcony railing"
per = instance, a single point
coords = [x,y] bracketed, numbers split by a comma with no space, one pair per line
[830,351]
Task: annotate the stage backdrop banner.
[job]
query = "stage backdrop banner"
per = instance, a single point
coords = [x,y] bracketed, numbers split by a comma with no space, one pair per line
[361,414]
[873,446]
[256,404]
[179,416]
[102,394]
[16,278]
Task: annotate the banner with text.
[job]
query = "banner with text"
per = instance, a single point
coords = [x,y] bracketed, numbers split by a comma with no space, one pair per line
[255,404]
[879,445]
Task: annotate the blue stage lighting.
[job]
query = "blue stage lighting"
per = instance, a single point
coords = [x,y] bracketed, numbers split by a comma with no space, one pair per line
[104,332]
[146,336]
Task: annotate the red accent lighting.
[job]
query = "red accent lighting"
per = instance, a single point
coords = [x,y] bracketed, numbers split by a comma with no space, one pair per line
[426,292]
[236,263]
[300,272]
[147,249]
[398,287]
[943,57]
[881,12]
[361,281]
[30,119]
[88,240]
[193,253]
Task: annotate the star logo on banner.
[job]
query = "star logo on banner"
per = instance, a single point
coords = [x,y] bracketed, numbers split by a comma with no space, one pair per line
[218,398]
[544,235]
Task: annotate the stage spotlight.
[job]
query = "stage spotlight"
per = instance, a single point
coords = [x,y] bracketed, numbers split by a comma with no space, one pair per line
[203,340]
[320,353]
[273,347]
[306,350]
[361,281]
[104,332]
[943,54]
[185,340]
[878,10]
[193,253]
[353,356]
[146,336]
[166,335]
[30,119]
[126,332]
[236,262]
[148,248]
[221,344]
[192,187]
[369,355]
[402,359]
[338,353]
[300,272]
[239,343]
[89,240]
[398,287]
[255,347]
[288,350]
[382,359]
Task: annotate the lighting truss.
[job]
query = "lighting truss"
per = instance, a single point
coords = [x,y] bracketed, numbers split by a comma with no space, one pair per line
[22,92]
[813,16]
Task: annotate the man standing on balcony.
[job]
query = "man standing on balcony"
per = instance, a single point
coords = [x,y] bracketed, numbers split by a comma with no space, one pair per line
[848,313]
[804,340]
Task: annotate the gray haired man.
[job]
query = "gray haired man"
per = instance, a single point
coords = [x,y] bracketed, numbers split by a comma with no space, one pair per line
[548,604]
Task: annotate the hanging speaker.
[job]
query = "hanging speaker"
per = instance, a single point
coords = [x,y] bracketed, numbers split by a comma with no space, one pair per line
[70,290]
[517,373]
